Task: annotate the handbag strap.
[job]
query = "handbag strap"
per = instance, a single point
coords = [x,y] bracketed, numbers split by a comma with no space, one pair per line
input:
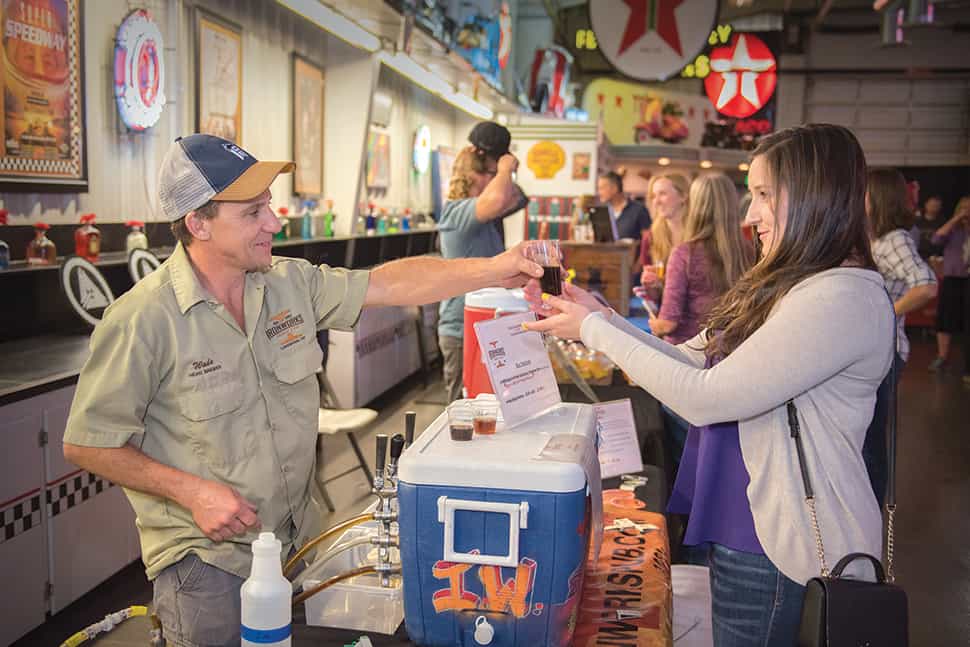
[795,430]
[891,460]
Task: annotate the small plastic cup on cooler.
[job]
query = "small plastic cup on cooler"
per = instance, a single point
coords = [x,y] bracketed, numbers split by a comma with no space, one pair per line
[486,415]
[461,417]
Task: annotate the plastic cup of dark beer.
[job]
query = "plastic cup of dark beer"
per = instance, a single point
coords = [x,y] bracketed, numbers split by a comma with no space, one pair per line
[461,418]
[546,253]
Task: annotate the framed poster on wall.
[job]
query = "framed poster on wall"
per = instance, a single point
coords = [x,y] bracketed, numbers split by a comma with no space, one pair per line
[307,127]
[42,98]
[378,159]
[218,77]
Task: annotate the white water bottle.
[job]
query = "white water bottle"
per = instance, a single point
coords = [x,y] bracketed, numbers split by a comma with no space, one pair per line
[266,597]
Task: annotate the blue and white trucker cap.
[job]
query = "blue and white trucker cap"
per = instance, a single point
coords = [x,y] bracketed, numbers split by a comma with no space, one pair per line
[200,168]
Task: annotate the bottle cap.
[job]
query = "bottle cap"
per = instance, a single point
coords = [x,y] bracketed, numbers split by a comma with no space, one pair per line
[283,211]
[267,544]
[87,218]
[3,216]
[134,223]
[43,226]
[329,204]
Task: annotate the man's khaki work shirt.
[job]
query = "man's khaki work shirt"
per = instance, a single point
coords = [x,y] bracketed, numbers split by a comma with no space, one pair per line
[171,373]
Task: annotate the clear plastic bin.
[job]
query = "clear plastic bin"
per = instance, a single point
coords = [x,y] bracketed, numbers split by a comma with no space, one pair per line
[361,603]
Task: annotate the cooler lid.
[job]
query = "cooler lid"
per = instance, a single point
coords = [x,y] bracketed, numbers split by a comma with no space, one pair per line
[498,299]
[504,460]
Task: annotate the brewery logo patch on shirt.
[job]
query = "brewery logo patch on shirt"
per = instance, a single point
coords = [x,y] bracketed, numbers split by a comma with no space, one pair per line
[282,322]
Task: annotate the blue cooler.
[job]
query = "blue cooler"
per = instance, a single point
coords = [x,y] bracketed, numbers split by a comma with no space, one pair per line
[494,542]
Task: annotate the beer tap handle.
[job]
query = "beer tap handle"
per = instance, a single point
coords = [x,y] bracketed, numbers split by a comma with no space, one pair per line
[409,419]
[397,446]
[381,455]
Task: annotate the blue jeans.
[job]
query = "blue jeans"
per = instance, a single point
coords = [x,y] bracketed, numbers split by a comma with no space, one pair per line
[753,604]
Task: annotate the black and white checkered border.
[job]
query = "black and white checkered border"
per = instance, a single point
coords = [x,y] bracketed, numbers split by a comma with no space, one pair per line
[69,168]
[20,516]
[73,492]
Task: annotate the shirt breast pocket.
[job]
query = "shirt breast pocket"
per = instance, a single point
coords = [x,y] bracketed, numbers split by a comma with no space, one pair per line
[296,374]
[219,435]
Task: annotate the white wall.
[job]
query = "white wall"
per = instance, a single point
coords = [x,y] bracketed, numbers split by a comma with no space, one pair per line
[412,107]
[122,167]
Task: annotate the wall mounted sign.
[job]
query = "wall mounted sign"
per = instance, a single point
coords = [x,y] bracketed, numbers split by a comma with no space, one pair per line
[378,159]
[421,152]
[743,76]
[633,113]
[139,71]
[545,159]
[651,40]
[219,78]
[581,165]
[42,102]
[141,263]
[307,127]
[86,289]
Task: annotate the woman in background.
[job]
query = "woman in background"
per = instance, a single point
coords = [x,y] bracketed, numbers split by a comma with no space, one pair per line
[712,258]
[911,285]
[667,200]
[952,237]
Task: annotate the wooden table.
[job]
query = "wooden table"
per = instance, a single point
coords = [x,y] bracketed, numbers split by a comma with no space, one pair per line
[603,267]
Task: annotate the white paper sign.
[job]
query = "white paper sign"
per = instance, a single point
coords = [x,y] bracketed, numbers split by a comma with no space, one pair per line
[519,367]
[619,449]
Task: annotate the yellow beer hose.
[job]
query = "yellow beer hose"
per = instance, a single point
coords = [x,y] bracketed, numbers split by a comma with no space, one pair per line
[349,523]
[110,622]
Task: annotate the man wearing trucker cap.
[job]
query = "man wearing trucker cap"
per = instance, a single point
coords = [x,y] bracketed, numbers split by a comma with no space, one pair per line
[199,395]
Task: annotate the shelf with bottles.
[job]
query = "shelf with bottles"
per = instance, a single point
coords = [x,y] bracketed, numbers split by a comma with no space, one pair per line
[556,217]
[376,220]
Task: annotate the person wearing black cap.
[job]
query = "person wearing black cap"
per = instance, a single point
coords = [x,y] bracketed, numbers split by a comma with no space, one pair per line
[199,396]
[481,193]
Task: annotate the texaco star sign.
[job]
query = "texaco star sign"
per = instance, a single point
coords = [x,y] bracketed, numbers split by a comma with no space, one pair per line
[743,76]
[651,40]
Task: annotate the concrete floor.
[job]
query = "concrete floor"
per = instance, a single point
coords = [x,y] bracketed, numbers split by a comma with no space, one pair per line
[933,519]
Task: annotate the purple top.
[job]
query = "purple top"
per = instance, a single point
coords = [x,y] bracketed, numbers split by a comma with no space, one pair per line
[688,293]
[711,487]
[953,264]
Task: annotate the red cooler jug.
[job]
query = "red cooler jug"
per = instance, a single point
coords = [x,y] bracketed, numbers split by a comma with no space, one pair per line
[484,304]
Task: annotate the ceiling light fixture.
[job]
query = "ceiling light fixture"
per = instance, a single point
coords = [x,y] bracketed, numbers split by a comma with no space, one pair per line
[335,23]
[706,163]
[664,161]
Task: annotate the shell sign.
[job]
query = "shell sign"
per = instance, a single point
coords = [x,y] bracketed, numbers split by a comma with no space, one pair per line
[545,159]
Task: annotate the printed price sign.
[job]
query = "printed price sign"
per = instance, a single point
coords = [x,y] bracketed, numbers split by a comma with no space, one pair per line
[519,367]
[618,447]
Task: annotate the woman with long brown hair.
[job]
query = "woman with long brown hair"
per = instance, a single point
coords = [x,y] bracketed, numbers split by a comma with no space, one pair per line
[809,324]
[911,285]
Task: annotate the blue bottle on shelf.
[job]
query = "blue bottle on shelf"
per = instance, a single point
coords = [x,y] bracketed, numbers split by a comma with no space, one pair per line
[306,227]
[370,224]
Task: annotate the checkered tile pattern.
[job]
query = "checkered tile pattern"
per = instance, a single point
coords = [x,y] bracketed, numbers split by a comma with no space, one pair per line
[20,517]
[66,168]
[73,492]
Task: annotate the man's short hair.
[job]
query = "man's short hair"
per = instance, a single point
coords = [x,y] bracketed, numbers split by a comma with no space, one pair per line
[615,178]
[180,230]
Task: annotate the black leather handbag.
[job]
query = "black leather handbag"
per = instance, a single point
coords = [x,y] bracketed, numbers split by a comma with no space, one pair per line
[845,612]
